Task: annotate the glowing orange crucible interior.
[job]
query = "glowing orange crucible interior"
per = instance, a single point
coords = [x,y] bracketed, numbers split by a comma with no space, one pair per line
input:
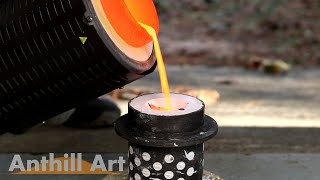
[124,16]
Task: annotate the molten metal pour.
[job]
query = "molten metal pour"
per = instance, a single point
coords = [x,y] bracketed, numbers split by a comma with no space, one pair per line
[161,66]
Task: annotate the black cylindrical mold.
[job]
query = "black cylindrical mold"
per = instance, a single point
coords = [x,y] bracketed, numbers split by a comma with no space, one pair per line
[166,148]
[165,163]
[46,70]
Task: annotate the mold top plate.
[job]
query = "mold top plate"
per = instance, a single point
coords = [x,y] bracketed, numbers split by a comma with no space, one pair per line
[181,104]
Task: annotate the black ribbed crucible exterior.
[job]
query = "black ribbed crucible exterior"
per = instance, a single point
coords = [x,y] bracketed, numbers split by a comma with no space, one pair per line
[165,145]
[46,70]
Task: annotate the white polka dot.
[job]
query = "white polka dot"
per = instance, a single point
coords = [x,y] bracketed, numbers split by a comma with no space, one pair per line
[181,179]
[146,156]
[131,178]
[130,150]
[157,166]
[137,161]
[131,166]
[181,166]
[137,176]
[190,171]
[190,155]
[169,158]
[168,175]
[146,172]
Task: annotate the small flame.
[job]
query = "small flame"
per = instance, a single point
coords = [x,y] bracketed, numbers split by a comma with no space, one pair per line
[162,70]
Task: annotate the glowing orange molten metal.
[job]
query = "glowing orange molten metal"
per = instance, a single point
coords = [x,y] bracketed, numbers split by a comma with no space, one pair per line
[124,16]
[162,69]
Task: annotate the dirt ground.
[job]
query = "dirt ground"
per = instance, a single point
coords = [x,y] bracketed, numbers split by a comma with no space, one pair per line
[256,113]
[219,32]
[249,98]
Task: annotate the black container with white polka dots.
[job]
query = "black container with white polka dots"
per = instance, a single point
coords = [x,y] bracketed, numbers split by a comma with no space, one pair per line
[163,163]
[166,146]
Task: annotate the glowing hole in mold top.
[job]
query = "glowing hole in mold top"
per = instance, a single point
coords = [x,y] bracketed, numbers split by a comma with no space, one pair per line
[159,104]
[153,104]
[161,67]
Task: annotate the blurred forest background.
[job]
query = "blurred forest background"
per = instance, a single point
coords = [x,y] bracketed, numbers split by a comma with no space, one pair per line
[240,33]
